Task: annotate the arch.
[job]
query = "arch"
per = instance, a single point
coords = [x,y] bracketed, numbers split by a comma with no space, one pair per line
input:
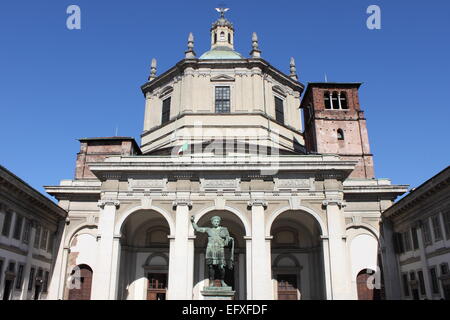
[340,134]
[289,229]
[241,217]
[374,232]
[69,238]
[283,256]
[278,212]
[154,255]
[335,100]
[150,231]
[363,291]
[344,100]
[123,218]
[327,100]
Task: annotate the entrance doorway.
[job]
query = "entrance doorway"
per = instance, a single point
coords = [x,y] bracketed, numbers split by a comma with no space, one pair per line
[7,291]
[362,283]
[37,291]
[82,286]
[287,287]
[157,286]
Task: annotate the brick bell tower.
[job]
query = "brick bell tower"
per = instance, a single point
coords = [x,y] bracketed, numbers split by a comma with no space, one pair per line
[335,123]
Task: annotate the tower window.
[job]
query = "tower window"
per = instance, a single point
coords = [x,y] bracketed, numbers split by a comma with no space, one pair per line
[343,99]
[327,100]
[229,38]
[279,110]
[340,134]
[335,101]
[165,111]
[222,36]
[215,38]
[222,99]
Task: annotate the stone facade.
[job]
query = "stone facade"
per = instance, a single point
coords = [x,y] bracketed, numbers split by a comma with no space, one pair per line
[31,227]
[223,136]
[416,242]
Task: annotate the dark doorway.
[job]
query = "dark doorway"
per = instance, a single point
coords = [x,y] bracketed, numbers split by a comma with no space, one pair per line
[287,287]
[37,291]
[7,291]
[446,288]
[83,291]
[416,295]
[157,286]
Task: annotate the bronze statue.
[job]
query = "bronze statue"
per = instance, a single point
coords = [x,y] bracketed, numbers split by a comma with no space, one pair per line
[218,239]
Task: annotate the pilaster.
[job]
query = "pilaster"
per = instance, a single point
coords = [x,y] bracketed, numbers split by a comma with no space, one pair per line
[102,276]
[260,275]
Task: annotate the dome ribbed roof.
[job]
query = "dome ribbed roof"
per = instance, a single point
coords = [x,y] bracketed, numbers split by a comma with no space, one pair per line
[221,53]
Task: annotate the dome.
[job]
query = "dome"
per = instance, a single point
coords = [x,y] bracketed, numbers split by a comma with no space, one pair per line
[221,53]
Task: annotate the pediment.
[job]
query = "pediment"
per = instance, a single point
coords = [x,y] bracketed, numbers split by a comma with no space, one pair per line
[165,91]
[279,90]
[222,77]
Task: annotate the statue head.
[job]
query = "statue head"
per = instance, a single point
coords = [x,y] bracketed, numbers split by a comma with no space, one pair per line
[215,221]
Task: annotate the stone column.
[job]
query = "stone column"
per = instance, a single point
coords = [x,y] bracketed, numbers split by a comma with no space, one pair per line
[102,275]
[261,266]
[327,268]
[115,268]
[181,255]
[339,267]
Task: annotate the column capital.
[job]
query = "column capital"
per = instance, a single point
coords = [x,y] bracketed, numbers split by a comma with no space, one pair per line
[340,203]
[108,202]
[257,202]
[182,202]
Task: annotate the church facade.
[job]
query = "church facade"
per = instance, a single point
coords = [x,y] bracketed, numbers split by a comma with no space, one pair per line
[223,136]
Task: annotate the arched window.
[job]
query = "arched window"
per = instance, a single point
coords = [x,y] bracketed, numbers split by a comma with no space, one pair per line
[344,103]
[229,38]
[340,134]
[215,38]
[222,36]
[326,97]
[335,101]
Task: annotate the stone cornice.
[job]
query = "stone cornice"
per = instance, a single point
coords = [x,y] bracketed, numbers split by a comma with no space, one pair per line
[20,189]
[179,68]
[420,194]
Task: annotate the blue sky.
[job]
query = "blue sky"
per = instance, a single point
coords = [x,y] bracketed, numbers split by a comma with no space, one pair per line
[58,85]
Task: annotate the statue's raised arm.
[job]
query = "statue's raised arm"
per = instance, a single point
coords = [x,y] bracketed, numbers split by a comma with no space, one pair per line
[196,227]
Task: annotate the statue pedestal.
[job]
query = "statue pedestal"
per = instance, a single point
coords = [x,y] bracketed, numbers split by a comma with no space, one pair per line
[218,293]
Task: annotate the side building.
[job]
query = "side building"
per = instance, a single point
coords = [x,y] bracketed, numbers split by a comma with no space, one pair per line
[416,236]
[30,226]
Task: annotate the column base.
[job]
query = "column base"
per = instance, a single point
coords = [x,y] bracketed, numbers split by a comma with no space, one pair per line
[218,293]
